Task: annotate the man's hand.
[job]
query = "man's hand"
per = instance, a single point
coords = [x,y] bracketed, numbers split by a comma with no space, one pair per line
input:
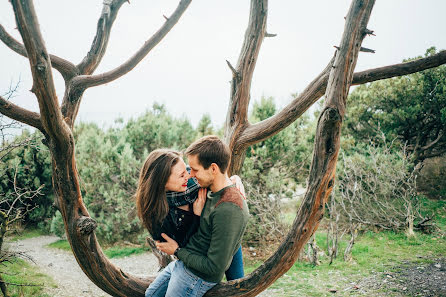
[167,247]
[200,201]
[238,184]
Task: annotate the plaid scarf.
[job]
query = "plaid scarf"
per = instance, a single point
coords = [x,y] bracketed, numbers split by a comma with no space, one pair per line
[186,197]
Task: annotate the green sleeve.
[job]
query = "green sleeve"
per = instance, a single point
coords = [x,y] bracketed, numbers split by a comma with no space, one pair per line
[227,229]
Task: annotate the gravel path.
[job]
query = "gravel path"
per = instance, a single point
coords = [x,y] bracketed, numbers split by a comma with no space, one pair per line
[70,279]
[63,268]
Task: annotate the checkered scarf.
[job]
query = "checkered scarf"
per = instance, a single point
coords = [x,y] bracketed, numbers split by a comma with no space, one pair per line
[186,197]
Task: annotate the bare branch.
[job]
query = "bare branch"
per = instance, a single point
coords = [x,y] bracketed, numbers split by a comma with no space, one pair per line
[367,50]
[20,114]
[66,68]
[266,128]
[72,97]
[86,81]
[99,45]
[322,168]
[399,69]
[237,115]
[43,84]
[234,72]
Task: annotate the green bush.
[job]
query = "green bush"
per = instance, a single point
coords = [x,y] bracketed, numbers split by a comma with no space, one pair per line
[272,170]
[431,180]
[27,168]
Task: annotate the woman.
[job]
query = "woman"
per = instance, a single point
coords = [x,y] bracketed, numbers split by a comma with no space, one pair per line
[178,215]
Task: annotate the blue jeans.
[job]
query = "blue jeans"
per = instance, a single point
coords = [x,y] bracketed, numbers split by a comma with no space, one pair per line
[235,271]
[176,280]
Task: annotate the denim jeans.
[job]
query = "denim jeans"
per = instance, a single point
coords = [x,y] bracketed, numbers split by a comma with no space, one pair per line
[235,271]
[176,280]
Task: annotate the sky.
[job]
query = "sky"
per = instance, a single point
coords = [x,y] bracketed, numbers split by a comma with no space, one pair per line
[187,71]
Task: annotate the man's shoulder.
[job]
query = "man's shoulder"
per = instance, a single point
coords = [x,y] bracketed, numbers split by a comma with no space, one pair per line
[231,195]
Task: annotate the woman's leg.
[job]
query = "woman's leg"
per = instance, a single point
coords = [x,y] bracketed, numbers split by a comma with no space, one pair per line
[235,271]
[158,287]
[183,283]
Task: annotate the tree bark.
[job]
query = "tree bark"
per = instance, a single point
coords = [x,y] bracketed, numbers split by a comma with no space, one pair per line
[237,115]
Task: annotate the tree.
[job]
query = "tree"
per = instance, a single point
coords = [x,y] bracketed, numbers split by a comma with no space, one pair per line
[56,123]
[411,108]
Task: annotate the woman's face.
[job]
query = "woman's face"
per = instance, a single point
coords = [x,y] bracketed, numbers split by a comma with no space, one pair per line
[177,181]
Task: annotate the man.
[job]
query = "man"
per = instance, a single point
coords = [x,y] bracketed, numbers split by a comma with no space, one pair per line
[202,262]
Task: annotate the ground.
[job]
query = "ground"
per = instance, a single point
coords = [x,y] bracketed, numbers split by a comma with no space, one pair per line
[411,279]
[426,277]
[68,276]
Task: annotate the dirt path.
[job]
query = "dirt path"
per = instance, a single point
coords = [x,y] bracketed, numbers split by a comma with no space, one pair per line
[70,279]
[63,268]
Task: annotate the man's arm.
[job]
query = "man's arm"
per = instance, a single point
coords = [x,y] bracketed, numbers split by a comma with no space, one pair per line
[227,229]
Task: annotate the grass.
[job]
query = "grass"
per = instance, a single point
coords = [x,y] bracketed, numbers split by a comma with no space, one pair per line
[372,253]
[25,234]
[118,251]
[21,272]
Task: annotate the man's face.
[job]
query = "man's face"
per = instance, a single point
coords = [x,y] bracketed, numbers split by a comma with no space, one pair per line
[204,176]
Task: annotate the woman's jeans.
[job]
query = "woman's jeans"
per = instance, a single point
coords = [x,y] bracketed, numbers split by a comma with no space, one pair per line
[235,271]
[176,280]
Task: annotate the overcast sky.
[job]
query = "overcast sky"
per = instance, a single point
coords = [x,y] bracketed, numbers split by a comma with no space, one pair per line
[187,70]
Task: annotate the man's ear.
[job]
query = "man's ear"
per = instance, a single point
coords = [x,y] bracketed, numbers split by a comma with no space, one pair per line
[215,168]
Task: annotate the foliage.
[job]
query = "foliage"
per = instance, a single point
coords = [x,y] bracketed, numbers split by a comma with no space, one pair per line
[431,180]
[376,188]
[373,253]
[27,167]
[111,252]
[109,173]
[31,280]
[411,107]
[272,169]
[157,129]
[205,126]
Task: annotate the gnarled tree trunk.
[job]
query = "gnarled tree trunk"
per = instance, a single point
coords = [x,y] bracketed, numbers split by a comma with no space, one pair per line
[56,123]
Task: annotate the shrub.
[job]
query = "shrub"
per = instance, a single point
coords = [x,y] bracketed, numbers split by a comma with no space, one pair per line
[376,188]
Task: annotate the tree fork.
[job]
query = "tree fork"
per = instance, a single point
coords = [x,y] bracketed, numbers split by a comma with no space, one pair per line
[322,171]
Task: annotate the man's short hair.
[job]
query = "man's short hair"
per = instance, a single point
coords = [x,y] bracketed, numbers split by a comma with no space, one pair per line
[210,149]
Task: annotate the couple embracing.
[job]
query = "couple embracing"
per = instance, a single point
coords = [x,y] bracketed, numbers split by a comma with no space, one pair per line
[197,214]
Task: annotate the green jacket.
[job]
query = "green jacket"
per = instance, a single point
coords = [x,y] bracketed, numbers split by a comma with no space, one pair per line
[222,224]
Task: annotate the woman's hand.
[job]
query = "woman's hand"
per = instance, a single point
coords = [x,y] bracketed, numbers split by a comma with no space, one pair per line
[200,201]
[238,184]
[167,247]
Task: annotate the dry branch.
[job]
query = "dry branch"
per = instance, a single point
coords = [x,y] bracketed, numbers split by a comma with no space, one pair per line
[237,115]
[43,85]
[20,114]
[66,68]
[86,81]
[100,41]
[73,95]
[271,126]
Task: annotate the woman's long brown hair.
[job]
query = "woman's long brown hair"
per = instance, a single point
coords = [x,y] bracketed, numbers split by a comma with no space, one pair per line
[151,200]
